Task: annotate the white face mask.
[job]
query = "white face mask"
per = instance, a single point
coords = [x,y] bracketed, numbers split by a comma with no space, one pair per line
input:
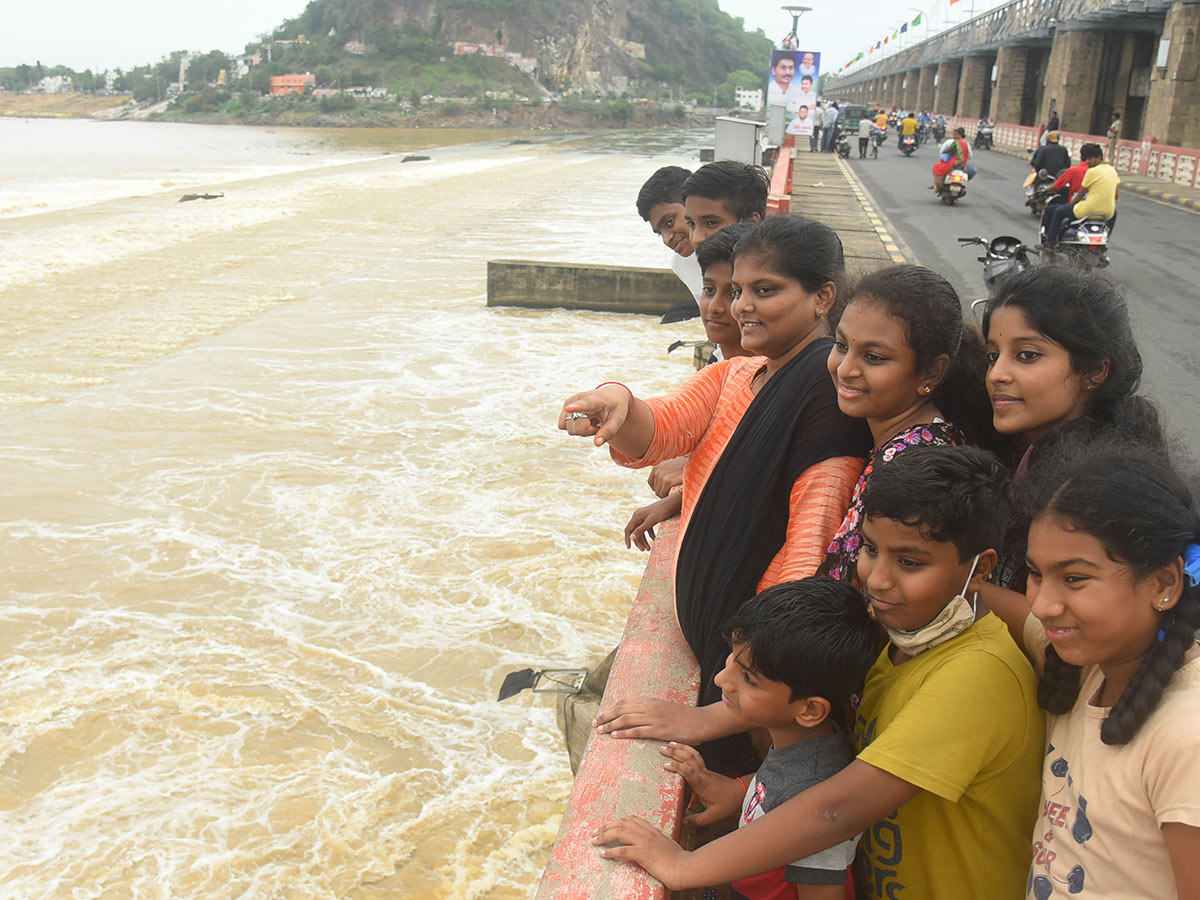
[953,620]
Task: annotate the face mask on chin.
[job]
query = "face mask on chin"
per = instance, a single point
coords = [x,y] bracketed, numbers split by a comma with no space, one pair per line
[952,621]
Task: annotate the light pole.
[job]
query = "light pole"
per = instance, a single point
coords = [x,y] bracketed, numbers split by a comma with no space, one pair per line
[795,12]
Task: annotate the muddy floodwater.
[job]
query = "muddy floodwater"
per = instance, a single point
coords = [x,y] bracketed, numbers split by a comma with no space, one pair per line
[281,502]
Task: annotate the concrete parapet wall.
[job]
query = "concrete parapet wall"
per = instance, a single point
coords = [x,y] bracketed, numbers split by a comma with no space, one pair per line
[533,284]
[626,777]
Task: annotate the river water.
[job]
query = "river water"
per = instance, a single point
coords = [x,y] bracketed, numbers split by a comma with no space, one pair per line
[281,502]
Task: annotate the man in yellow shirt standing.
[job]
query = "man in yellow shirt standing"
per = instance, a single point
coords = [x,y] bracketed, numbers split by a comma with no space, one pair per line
[1098,196]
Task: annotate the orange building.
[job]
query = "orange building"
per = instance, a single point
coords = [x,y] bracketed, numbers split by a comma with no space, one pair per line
[292,84]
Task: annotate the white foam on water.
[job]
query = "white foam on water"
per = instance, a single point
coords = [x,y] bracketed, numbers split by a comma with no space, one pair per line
[265,577]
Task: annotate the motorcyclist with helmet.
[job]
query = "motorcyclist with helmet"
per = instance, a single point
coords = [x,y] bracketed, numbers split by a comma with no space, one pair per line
[1052,156]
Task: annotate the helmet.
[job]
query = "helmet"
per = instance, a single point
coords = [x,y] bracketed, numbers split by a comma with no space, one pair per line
[1052,137]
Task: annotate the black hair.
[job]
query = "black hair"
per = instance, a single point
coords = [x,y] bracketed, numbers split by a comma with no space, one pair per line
[664,186]
[928,309]
[718,246]
[814,635]
[961,132]
[1141,511]
[740,186]
[809,77]
[780,55]
[960,495]
[804,250]
[1087,315]
[1087,151]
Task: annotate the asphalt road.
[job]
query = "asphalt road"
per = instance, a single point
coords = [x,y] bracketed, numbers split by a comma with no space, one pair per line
[1155,257]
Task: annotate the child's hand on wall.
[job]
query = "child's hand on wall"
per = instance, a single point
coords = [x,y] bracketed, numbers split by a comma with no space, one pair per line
[721,796]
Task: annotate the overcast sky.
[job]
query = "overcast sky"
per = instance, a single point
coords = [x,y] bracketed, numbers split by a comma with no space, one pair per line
[99,34]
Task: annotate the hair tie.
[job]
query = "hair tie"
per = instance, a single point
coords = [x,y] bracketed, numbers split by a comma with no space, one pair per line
[1191,564]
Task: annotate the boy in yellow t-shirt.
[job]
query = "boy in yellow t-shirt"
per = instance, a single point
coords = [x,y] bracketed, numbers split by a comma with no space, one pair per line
[949,733]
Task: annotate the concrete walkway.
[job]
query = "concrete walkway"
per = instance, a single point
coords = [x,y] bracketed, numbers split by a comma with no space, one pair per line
[826,189]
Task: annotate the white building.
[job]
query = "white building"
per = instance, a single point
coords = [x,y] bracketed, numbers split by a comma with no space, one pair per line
[745,98]
[55,84]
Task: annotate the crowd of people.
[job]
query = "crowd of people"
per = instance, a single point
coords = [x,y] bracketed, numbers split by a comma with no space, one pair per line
[942,581]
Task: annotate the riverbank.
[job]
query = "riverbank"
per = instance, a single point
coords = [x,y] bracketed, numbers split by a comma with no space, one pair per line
[60,106]
[302,112]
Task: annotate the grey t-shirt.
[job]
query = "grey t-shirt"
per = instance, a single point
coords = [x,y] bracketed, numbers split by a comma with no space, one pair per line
[784,774]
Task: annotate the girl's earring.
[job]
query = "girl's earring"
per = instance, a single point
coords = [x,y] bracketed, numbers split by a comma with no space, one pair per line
[926,389]
[1089,387]
[1162,604]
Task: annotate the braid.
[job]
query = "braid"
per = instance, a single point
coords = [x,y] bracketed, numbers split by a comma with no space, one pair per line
[1059,686]
[1158,667]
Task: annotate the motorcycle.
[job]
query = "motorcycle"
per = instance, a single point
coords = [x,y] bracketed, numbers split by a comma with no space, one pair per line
[842,144]
[1039,191]
[924,134]
[908,144]
[1001,255]
[954,188]
[983,136]
[878,136]
[1083,242]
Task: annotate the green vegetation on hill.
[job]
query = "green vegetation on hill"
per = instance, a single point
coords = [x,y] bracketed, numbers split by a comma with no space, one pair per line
[693,50]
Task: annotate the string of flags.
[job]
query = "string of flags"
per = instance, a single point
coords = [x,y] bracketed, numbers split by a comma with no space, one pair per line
[880,44]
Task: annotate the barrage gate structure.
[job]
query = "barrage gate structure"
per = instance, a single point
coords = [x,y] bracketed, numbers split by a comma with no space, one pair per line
[1083,58]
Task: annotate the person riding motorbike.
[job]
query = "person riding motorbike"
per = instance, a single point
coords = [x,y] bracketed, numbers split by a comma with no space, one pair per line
[907,126]
[1068,184]
[939,129]
[1051,156]
[954,154]
[1098,195]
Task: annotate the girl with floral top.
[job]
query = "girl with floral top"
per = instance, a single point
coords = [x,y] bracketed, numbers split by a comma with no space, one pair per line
[904,360]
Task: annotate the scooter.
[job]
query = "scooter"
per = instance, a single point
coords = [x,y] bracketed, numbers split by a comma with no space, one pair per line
[908,144]
[1083,242]
[1039,191]
[842,144]
[939,130]
[1001,255]
[983,137]
[954,188]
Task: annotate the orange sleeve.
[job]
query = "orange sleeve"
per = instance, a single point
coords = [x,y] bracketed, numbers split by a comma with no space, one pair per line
[819,500]
[680,418]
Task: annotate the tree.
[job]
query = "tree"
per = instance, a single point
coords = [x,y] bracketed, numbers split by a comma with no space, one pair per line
[742,78]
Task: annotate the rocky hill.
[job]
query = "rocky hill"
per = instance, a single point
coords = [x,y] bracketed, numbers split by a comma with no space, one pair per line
[599,45]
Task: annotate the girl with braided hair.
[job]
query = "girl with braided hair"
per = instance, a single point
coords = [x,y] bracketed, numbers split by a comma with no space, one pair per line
[1114,609]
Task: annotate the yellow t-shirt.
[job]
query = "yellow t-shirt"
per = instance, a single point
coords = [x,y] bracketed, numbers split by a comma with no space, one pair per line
[1103,807]
[881,120]
[1101,184]
[908,126]
[961,722]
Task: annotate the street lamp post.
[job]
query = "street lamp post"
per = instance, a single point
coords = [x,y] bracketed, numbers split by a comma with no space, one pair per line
[795,12]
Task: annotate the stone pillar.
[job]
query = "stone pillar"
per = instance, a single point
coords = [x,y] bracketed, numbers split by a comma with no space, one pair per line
[897,89]
[1175,89]
[945,99]
[1010,87]
[925,87]
[1072,78]
[912,81]
[976,71]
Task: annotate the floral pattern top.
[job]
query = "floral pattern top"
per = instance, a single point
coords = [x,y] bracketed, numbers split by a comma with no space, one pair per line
[842,555]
